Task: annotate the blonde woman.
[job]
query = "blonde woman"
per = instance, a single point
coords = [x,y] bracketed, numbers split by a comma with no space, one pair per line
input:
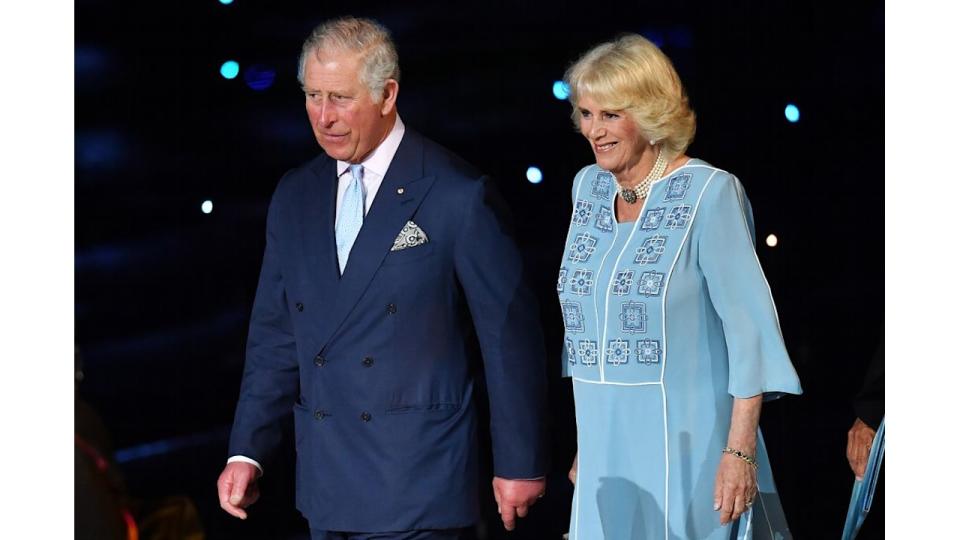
[671,334]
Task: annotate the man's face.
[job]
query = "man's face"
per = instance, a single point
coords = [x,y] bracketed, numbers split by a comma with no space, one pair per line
[346,121]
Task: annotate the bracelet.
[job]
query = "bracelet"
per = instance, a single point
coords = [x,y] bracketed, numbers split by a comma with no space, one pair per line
[752,460]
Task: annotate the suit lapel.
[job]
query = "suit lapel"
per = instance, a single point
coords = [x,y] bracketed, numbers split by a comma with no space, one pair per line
[317,227]
[390,211]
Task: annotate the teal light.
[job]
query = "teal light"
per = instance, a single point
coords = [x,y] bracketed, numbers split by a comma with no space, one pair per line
[226,2]
[229,69]
[792,113]
[561,90]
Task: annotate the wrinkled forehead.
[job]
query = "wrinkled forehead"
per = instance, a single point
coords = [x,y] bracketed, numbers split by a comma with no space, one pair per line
[332,66]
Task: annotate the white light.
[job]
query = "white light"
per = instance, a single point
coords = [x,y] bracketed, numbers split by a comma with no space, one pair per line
[534,175]
[772,240]
[206,207]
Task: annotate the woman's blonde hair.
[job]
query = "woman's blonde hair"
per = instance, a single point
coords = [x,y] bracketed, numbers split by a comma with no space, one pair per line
[631,74]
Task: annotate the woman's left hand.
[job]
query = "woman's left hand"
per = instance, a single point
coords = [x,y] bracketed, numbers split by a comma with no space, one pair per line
[735,488]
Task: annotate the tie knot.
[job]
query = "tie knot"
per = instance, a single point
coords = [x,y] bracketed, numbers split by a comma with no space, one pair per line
[357,171]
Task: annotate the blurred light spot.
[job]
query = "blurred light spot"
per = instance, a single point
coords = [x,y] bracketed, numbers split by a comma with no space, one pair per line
[792,113]
[89,60]
[561,90]
[656,36]
[229,69]
[534,175]
[680,37]
[99,150]
[772,240]
[226,2]
[207,207]
[259,77]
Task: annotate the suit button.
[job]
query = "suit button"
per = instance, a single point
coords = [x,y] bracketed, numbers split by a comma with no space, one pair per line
[367,361]
[319,415]
[299,306]
[319,360]
[391,308]
[365,416]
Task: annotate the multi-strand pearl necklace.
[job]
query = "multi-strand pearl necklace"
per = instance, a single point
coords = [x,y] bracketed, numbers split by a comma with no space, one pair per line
[641,190]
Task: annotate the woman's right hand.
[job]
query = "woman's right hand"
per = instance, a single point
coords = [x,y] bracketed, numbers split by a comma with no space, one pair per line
[572,475]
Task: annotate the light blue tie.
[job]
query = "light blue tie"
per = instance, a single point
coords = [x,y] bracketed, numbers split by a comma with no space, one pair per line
[351,216]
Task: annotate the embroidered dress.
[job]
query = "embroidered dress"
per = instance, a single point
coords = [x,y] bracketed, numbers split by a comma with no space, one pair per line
[667,319]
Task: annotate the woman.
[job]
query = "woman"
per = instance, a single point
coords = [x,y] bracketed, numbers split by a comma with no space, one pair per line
[672,337]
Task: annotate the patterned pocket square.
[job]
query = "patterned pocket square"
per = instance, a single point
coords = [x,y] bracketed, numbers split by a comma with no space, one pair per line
[411,236]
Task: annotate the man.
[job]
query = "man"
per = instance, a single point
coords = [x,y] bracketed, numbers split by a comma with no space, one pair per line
[385,259]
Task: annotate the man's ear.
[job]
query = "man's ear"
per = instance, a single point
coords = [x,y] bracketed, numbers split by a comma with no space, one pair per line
[389,97]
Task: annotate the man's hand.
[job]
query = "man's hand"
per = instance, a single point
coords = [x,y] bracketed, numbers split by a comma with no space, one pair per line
[515,497]
[237,487]
[572,475]
[859,441]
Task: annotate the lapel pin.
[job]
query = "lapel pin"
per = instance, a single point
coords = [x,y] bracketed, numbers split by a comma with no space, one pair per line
[400,191]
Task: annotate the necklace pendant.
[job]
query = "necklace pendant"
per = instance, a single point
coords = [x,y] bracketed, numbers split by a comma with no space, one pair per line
[629,195]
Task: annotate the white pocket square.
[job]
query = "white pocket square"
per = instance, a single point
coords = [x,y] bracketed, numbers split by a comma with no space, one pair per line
[411,236]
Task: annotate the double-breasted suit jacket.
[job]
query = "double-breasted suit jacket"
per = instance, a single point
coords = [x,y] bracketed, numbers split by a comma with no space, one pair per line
[379,365]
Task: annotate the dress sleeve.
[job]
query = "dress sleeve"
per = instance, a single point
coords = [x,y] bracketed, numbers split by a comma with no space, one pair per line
[759,363]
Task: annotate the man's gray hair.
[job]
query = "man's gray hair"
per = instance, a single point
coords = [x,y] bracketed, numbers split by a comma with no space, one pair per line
[364,36]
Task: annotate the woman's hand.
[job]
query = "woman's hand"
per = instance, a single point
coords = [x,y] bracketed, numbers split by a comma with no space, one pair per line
[572,475]
[735,488]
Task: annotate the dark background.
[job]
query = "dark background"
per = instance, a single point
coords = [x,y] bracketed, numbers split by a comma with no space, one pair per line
[163,291]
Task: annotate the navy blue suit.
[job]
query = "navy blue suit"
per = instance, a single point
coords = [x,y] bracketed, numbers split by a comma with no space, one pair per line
[378,366]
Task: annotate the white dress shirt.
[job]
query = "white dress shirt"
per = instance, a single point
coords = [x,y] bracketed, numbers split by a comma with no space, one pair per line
[374,169]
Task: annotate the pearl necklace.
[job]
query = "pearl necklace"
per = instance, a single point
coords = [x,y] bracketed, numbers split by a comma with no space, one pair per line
[641,190]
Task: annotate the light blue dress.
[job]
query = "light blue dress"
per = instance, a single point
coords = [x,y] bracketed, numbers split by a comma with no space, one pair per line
[667,319]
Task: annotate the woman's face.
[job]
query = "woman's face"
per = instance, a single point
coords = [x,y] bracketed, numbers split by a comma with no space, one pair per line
[613,135]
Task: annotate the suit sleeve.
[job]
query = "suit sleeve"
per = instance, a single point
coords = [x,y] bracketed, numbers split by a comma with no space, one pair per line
[270,379]
[758,360]
[506,318]
[869,402]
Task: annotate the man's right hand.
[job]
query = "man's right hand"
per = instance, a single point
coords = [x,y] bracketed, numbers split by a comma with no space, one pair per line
[237,487]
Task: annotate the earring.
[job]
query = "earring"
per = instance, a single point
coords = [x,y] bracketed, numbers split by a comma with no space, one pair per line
[653,142]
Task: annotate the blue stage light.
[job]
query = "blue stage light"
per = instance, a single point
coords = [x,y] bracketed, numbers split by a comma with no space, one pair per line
[206,207]
[259,77]
[561,90]
[534,175]
[792,113]
[226,2]
[230,69]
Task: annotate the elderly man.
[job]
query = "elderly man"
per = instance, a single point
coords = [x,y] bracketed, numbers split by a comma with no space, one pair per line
[385,260]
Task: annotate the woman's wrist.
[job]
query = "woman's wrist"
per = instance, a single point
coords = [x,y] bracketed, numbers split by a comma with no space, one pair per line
[750,458]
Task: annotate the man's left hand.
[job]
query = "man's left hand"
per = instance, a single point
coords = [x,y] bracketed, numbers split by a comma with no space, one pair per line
[515,497]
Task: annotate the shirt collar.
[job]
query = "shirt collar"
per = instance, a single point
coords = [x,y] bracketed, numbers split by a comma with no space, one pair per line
[379,160]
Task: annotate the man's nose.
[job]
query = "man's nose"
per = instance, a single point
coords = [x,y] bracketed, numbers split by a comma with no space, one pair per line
[327,114]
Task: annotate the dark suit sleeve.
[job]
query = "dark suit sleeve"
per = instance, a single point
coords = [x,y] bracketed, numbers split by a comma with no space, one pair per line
[506,317]
[869,402]
[270,379]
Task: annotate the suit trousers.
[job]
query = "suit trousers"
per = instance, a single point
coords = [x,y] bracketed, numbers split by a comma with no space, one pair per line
[436,534]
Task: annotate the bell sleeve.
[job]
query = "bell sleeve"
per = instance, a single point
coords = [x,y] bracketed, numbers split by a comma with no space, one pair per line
[740,294]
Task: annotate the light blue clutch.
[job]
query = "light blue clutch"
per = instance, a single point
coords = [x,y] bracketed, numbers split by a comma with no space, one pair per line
[862,496]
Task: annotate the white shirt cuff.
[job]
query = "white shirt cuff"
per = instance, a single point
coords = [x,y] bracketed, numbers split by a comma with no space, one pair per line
[245,459]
